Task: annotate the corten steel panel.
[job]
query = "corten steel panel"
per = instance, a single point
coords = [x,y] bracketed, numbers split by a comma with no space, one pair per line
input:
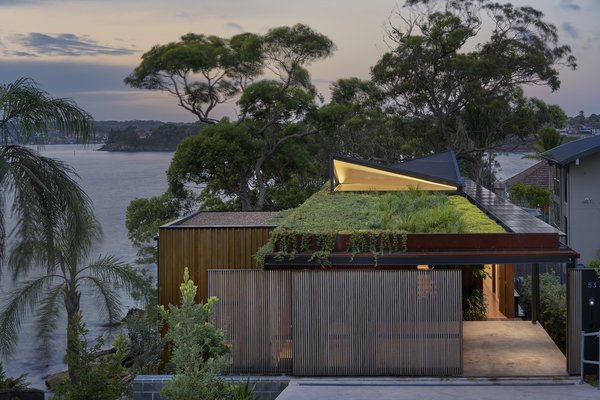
[201,249]
[377,323]
[487,241]
[574,323]
[255,312]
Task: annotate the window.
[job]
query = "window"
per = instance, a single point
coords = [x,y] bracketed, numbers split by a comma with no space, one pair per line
[566,183]
[556,214]
[556,180]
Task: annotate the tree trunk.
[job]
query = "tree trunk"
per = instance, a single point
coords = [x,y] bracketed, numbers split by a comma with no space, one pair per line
[72,303]
[262,187]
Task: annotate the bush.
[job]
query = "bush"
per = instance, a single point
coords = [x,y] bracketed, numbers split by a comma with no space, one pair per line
[553,306]
[530,196]
[199,349]
[474,306]
[96,377]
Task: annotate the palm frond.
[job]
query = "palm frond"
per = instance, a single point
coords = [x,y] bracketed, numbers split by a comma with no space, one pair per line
[26,109]
[48,312]
[108,298]
[20,302]
[49,206]
[112,269]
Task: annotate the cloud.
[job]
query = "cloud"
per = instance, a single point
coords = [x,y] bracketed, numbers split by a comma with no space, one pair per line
[66,44]
[234,26]
[570,5]
[570,30]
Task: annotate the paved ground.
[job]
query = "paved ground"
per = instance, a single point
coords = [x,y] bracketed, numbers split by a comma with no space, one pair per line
[434,389]
[510,348]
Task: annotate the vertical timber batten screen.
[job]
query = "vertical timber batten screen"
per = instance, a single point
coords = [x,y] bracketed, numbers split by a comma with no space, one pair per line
[377,323]
[329,323]
[574,323]
[255,311]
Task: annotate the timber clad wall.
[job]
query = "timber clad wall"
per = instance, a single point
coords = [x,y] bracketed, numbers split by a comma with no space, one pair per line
[328,323]
[201,249]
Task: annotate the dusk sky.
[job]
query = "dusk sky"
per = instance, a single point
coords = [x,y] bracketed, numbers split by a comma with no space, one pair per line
[83,49]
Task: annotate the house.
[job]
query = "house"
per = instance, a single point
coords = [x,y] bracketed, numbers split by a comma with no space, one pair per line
[575,174]
[367,276]
[536,175]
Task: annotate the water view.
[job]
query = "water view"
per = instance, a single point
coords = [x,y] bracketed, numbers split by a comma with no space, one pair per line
[111,180]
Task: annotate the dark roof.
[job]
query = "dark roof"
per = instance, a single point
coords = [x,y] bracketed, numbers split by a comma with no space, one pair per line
[225,219]
[441,166]
[512,217]
[569,152]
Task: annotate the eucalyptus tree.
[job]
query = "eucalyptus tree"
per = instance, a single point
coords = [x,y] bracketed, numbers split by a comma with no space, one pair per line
[442,67]
[202,72]
[41,187]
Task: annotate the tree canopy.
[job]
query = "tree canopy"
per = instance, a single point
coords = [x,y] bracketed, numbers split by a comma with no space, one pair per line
[442,69]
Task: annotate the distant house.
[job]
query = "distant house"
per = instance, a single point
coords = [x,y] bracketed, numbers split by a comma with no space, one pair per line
[575,175]
[536,175]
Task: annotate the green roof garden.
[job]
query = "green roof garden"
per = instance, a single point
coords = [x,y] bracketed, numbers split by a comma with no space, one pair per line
[411,211]
[374,222]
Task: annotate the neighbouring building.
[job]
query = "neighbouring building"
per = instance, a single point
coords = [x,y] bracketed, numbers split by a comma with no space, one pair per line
[575,185]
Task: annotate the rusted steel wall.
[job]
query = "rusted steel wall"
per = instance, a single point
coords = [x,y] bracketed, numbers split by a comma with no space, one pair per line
[342,322]
[255,311]
[201,249]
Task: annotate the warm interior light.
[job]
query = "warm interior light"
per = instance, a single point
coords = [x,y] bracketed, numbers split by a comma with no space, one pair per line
[422,266]
[360,178]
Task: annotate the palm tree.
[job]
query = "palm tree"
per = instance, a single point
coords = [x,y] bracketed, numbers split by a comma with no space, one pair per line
[58,290]
[42,188]
[55,227]
[547,138]
[25,109]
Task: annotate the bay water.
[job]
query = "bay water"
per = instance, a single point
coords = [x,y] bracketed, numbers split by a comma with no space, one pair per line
[111,180]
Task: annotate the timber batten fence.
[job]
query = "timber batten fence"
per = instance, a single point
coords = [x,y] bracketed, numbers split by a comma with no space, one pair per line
[328,323]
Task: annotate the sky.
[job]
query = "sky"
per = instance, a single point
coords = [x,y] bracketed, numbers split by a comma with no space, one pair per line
[82,49]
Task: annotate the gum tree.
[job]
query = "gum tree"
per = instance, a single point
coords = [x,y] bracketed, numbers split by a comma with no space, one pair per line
[443,69]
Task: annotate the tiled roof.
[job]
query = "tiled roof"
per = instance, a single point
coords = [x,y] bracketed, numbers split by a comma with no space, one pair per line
[536,175]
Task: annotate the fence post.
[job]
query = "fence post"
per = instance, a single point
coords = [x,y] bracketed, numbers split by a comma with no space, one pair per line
[581,359]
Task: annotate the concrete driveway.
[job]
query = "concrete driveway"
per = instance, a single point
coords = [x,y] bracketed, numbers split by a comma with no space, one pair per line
[438,389]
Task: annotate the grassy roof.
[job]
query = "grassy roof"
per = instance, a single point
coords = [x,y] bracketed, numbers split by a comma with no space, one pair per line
[411,212]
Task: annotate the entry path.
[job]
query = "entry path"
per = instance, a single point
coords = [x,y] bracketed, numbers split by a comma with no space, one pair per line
[438,389]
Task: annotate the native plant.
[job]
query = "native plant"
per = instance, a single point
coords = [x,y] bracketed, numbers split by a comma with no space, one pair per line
[7,382]
[198,348]
[97,377]
[553,306]
[474,305]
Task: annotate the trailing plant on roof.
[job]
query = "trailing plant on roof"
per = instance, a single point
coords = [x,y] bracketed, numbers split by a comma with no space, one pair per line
[376,223]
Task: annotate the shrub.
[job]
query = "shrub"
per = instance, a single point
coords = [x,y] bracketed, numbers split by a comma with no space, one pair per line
[199,349]
[474,306]
[553,306]
[530,196]
[97,377]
